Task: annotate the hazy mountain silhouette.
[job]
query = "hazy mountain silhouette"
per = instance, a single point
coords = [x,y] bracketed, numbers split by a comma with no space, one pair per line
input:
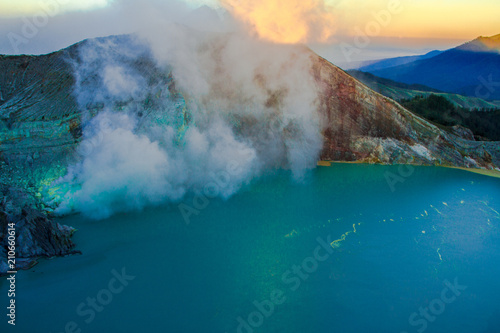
[472,69]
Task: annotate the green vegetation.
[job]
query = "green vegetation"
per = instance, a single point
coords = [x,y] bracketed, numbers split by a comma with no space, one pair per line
[484,123]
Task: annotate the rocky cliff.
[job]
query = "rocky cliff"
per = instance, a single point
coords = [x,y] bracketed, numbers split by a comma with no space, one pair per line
[36,235]
[38,132]
[366,126]
[41,126]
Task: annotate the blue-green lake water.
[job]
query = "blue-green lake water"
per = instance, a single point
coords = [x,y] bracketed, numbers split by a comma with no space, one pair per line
[423,256]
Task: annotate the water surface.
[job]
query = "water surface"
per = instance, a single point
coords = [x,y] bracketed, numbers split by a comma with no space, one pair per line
[398,250]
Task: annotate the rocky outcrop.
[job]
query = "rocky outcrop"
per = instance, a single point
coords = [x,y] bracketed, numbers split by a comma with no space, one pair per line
[36,235]
[463,132]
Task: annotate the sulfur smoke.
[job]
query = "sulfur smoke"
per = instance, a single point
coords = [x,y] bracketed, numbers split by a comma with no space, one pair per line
[167,110]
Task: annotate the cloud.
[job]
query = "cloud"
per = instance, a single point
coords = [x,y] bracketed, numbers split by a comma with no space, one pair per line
[286,21]
[13,8]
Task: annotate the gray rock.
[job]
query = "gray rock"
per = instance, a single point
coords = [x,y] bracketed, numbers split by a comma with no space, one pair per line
[463,132]
[36,235]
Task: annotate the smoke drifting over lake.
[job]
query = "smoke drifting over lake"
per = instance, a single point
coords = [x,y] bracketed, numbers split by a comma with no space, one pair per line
[167,110]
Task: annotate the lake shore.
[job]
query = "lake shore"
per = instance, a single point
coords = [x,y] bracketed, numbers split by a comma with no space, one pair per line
[490,173]
[484,172]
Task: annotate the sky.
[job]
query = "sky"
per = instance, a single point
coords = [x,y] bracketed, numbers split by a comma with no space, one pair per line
[344,31]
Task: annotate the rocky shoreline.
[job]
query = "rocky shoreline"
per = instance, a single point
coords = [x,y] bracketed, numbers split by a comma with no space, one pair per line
[37,236]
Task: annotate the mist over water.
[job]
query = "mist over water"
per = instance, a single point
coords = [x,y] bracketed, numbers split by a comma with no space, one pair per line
[167,110]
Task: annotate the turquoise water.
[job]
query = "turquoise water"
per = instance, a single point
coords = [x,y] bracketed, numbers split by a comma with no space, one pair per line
[437,227]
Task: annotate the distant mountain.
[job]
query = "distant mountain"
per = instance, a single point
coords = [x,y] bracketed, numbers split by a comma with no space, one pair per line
[393,62]
[472,69]
[483,44]
[399,91]
[369,79]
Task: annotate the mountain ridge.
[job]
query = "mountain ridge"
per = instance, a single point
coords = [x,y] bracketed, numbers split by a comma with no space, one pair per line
[397,91]
[397,61]
[471,69]
[482,44]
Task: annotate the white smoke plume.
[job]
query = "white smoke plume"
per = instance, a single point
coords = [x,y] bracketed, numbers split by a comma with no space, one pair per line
[168,110]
